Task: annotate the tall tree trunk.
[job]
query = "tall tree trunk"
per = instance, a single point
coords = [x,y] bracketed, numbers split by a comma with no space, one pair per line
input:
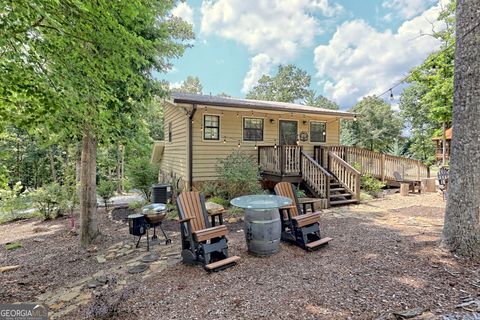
[444,144]
[88,196]
[52,164]
[462,219]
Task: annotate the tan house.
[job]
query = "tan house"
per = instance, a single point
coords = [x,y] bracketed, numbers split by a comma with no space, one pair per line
[292,142]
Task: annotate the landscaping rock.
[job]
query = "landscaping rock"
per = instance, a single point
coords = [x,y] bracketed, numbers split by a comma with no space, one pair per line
[9,268]
[410,313]
[39,240]
[150,257]
[213,208]
[101,259]
[139,268]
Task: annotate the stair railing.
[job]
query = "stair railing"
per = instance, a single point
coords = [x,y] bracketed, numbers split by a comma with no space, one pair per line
[347,175]
[316,177]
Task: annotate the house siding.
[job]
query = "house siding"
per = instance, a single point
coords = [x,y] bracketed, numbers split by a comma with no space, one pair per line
[174,162]
[206,153]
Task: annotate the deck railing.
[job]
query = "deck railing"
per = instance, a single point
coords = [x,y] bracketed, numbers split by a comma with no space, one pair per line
[348,176]
[282,160]
[315,176]
[379,165]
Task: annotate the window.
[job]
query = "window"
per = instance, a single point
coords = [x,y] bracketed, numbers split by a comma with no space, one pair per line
[252,129]
[211,127]
[318,131]
[169,132]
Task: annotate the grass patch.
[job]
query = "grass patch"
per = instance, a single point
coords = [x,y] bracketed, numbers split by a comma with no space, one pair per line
[220,201]
[13,245]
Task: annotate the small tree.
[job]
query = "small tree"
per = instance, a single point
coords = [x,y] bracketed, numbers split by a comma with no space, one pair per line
[106,190]
[142,174]
[240,174]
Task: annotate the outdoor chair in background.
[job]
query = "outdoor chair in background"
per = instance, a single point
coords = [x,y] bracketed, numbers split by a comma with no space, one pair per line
[298,227]
[201,243]
[443,181]
[413,184]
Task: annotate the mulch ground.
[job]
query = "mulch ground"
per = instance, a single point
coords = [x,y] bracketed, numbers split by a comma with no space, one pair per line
[385,257]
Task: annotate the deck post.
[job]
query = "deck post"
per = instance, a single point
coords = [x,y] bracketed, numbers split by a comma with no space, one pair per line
[282,160]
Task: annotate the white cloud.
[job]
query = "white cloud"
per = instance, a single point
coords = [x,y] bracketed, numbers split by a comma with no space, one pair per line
[184,11]
[360,60]
[273,29]
[175,85]
[406,9]
[259,65]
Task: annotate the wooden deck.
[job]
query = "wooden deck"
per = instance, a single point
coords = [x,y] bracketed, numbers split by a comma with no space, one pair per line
[334,172]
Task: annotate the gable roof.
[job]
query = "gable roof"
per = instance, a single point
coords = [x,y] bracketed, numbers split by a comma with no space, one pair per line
[209,100]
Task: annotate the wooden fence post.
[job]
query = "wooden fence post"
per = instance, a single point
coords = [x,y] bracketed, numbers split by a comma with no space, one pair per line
[382,167]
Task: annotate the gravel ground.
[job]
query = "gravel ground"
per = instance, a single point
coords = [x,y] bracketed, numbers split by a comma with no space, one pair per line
[385,257]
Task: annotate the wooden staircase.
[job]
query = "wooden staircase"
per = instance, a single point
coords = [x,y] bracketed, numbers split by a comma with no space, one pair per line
[339,195]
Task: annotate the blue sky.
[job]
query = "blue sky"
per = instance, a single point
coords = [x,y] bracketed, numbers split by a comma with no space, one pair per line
[351,48]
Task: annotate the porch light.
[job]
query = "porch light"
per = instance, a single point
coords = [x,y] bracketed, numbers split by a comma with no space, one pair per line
[238,145]
[237,114]
[224,139]
[256,145]
[355,118]
[275,144]
[304,122]
[272,121]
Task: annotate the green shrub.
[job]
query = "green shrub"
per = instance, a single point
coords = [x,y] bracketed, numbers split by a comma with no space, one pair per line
[137,204]
[299,192]
[12,199]
[371,185]
[49,200]
[142,175]
[240,174]
[220,201]
[213,189]
[106,189]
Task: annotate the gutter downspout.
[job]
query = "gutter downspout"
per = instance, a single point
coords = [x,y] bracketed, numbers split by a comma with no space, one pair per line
[190,147]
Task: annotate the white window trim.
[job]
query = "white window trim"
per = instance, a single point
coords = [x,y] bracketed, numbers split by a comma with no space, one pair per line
[263,135]
[219,127]
[310,131]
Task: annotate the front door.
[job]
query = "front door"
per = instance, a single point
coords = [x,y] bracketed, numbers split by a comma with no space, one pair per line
[288,132]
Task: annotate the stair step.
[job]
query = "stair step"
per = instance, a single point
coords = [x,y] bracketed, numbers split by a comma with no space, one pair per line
[340,195]
[337,189]
[222,263]
[337,202]
[335,184]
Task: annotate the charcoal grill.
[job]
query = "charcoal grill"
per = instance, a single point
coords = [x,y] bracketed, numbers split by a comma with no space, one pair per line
[154,215]
[138,226]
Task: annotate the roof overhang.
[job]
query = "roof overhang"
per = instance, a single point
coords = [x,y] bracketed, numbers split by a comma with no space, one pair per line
[271,106]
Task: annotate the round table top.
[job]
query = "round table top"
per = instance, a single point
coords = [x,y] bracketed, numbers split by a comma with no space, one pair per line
[266,201]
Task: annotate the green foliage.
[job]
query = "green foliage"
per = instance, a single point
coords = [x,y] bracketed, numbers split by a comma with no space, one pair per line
[137,204]
[12,199]
[13,245]
[289,84]
[220,201]
[49,199]
[190,85]
[314,100]
[213,189]
[377,128]
[142,175]
[106,189]
[299,192]
[239,173]
[371,185]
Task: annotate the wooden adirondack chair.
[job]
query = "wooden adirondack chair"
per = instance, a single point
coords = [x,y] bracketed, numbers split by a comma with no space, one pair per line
[201,243]
[413,184]
[299,227]
[443,181]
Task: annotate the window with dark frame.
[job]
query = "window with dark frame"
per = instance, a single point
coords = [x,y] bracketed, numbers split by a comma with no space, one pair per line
[211,127]
[252,129]
[169,132]
[318,131]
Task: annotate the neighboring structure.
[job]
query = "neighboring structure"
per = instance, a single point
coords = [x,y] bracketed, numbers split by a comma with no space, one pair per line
[292,142]
[439,146]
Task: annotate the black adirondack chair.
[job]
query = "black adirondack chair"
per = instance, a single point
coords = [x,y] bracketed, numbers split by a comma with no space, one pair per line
[412,184]
[443,181]
[201,243]
[299,227]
